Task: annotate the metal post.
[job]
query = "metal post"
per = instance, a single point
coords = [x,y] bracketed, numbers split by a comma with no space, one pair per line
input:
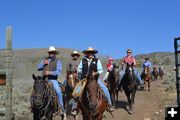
[9,115]
[177,69]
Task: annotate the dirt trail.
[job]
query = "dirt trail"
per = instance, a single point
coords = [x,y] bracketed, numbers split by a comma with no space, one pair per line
[148,105]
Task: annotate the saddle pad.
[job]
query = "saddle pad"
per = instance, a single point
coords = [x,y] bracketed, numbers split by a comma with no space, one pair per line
[79,88]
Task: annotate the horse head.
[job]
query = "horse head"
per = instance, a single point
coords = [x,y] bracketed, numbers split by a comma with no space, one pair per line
[71,79]
[39,89]
[130,72]
[92,93]
[116,73]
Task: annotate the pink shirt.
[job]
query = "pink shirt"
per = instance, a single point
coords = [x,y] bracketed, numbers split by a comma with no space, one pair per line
[129,60]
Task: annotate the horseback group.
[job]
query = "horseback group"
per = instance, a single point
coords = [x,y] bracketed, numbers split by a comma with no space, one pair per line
[83,88]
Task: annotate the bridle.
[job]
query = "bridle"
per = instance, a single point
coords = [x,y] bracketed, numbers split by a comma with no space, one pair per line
[46,93]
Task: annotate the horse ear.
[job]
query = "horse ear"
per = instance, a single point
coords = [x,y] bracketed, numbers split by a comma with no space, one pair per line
[34,77]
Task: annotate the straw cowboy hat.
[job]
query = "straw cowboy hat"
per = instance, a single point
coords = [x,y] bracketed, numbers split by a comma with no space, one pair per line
[53,49]
[90,50]
[75,53]
[129,51]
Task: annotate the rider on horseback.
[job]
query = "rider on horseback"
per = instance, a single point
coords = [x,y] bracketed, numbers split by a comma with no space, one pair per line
[51,67]
[110,67]
[129,59]
[91,66]
[72,65]
[146,63]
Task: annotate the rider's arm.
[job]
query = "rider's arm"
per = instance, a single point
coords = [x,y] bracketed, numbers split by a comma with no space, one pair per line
[150,64]
[58,69]
[135,62]
[79,69]
[40,66]
[99,67]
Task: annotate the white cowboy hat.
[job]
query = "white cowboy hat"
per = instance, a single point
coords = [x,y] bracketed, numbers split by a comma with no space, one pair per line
[90,50]
[75,53]
[52,49]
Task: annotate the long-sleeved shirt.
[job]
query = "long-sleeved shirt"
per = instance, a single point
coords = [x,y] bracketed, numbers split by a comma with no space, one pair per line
[147,64]
[99,66]
[40,67]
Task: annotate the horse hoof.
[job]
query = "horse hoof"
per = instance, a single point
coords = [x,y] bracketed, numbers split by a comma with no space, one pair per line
[130,112]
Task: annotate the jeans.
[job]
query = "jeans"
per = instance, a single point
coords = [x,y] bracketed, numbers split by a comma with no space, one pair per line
[106,76]
[58,92]
[122,73]
[105,90]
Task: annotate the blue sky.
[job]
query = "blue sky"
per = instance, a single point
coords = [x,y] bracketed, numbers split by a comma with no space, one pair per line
[110,26]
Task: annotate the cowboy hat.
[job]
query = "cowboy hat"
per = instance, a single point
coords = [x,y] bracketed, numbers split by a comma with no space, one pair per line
[90,50]
[75,53]
[53,49]
[129,51]
[146,58]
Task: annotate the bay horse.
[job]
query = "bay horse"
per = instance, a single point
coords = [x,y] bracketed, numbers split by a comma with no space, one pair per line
[92,103]
[146,76]
[155,73]
[129,85]
[112,82]
[44,102]
[72,81]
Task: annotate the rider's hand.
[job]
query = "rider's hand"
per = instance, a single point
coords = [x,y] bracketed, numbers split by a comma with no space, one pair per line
[48,73]
[94,73]
[46,62]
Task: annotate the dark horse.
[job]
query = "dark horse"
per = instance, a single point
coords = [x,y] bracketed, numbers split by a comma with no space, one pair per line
[112,82]
[44,102]
[129,85]
[72,81]
[155,73]
[92,102]
[146,76]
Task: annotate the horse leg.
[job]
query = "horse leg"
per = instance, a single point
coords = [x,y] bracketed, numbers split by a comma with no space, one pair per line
[145,85]
[36,115]
[116,92]
[133,96]
[99,117]
[129,101]
[49,116]
[149,85]
[113,99]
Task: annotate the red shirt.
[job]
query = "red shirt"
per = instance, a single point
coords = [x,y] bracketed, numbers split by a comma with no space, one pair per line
[129,60]
[110,66]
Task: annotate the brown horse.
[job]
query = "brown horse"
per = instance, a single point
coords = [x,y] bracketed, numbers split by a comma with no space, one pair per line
[92,102]
[155,73]
[72,81]
[146,76]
